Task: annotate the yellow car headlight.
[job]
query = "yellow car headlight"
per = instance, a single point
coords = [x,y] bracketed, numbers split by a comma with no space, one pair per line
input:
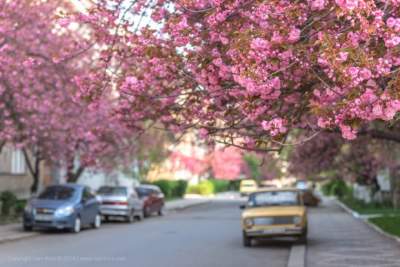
[248,222]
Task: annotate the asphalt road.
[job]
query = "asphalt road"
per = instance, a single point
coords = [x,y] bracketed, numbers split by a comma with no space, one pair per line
[207,235]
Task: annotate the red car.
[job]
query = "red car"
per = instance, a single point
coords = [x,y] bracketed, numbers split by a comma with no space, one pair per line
[153,199]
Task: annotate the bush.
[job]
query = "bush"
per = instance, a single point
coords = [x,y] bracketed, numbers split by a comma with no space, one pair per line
[335,187]
[220,185]
[9,201]
[204,188]
[20,206]
[179,188]
[172,189]
[234,185]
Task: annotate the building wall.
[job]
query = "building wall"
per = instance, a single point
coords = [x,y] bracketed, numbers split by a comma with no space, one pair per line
[14,174]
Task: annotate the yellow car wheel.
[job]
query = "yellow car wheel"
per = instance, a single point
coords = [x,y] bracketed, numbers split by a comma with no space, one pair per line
[246,240]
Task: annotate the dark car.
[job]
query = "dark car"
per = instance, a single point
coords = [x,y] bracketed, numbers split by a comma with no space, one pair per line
[120,201]
[309,198]
[153,199]
[68,206]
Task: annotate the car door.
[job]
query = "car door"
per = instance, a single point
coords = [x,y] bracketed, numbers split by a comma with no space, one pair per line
[89,206]
[157,199]
[137,203]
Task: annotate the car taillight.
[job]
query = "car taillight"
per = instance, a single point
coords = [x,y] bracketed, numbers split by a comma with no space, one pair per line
[115,203]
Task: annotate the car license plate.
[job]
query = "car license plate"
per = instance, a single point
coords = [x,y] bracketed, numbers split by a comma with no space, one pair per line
[113,212]
[274,231]
[43,217]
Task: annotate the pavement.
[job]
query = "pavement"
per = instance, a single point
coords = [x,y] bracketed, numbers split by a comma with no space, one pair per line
[204,233]
[337,239]
[14,232]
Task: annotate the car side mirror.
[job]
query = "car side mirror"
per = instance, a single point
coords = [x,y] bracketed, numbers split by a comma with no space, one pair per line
[242,207]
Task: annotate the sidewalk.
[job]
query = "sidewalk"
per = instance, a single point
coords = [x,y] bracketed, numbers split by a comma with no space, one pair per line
[181,204]
[336,239]
[13,232]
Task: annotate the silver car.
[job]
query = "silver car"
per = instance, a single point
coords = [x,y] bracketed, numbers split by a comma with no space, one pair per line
[120,201]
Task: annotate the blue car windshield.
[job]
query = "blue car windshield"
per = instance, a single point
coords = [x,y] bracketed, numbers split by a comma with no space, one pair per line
[57,193]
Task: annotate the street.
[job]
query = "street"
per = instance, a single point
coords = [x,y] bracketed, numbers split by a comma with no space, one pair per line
[205,235]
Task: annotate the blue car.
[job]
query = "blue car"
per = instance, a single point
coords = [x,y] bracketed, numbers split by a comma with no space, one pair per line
[68,206]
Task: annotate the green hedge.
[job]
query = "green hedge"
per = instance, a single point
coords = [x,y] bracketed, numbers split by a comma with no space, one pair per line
[171,188]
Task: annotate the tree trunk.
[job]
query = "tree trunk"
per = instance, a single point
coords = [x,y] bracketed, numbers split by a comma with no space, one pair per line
[34,170]
[73,176]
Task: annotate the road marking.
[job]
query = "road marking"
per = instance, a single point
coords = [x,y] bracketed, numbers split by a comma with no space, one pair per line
[297,256]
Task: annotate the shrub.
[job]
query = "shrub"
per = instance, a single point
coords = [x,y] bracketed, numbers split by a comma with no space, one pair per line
[165,187]
[9,201]
[204,188]
[179,188]
[234,185]
[220,185]
[20,206]
[335,187]
[172,189]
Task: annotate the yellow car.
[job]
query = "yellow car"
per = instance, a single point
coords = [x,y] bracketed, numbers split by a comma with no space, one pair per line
[247,186]
[274,213]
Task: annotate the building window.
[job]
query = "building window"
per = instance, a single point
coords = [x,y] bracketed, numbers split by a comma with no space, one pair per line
[17,162]
[12,161]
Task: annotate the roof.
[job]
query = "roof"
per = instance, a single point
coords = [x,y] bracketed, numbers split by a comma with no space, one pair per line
[75,186]
[149,186]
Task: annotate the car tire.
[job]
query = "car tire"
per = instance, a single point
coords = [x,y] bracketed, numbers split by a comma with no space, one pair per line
[97,221]
[246,240]
[27,228]
[77,227]
[146,212]
[106,218]
[161,211]
[303,238]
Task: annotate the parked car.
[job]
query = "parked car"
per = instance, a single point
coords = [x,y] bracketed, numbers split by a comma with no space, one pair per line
[153,199]
[274,213]
[120,201]
[68,206]
[309,198]
[247,186]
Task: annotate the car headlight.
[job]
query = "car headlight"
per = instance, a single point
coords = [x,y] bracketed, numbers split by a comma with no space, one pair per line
[248,222]
[297,220]
[65,211]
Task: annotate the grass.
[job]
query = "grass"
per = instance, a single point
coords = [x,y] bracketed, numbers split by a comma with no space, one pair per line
[389,224]
[370,208]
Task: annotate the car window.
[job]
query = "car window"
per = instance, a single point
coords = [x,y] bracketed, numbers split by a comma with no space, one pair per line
[87,194]
[57,193]
[143,192]
[274,198]
[113,190]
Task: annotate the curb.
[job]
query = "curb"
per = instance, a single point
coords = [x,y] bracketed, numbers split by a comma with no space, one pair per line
[186,206]
[365,220]
[297,256]
[13,238]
